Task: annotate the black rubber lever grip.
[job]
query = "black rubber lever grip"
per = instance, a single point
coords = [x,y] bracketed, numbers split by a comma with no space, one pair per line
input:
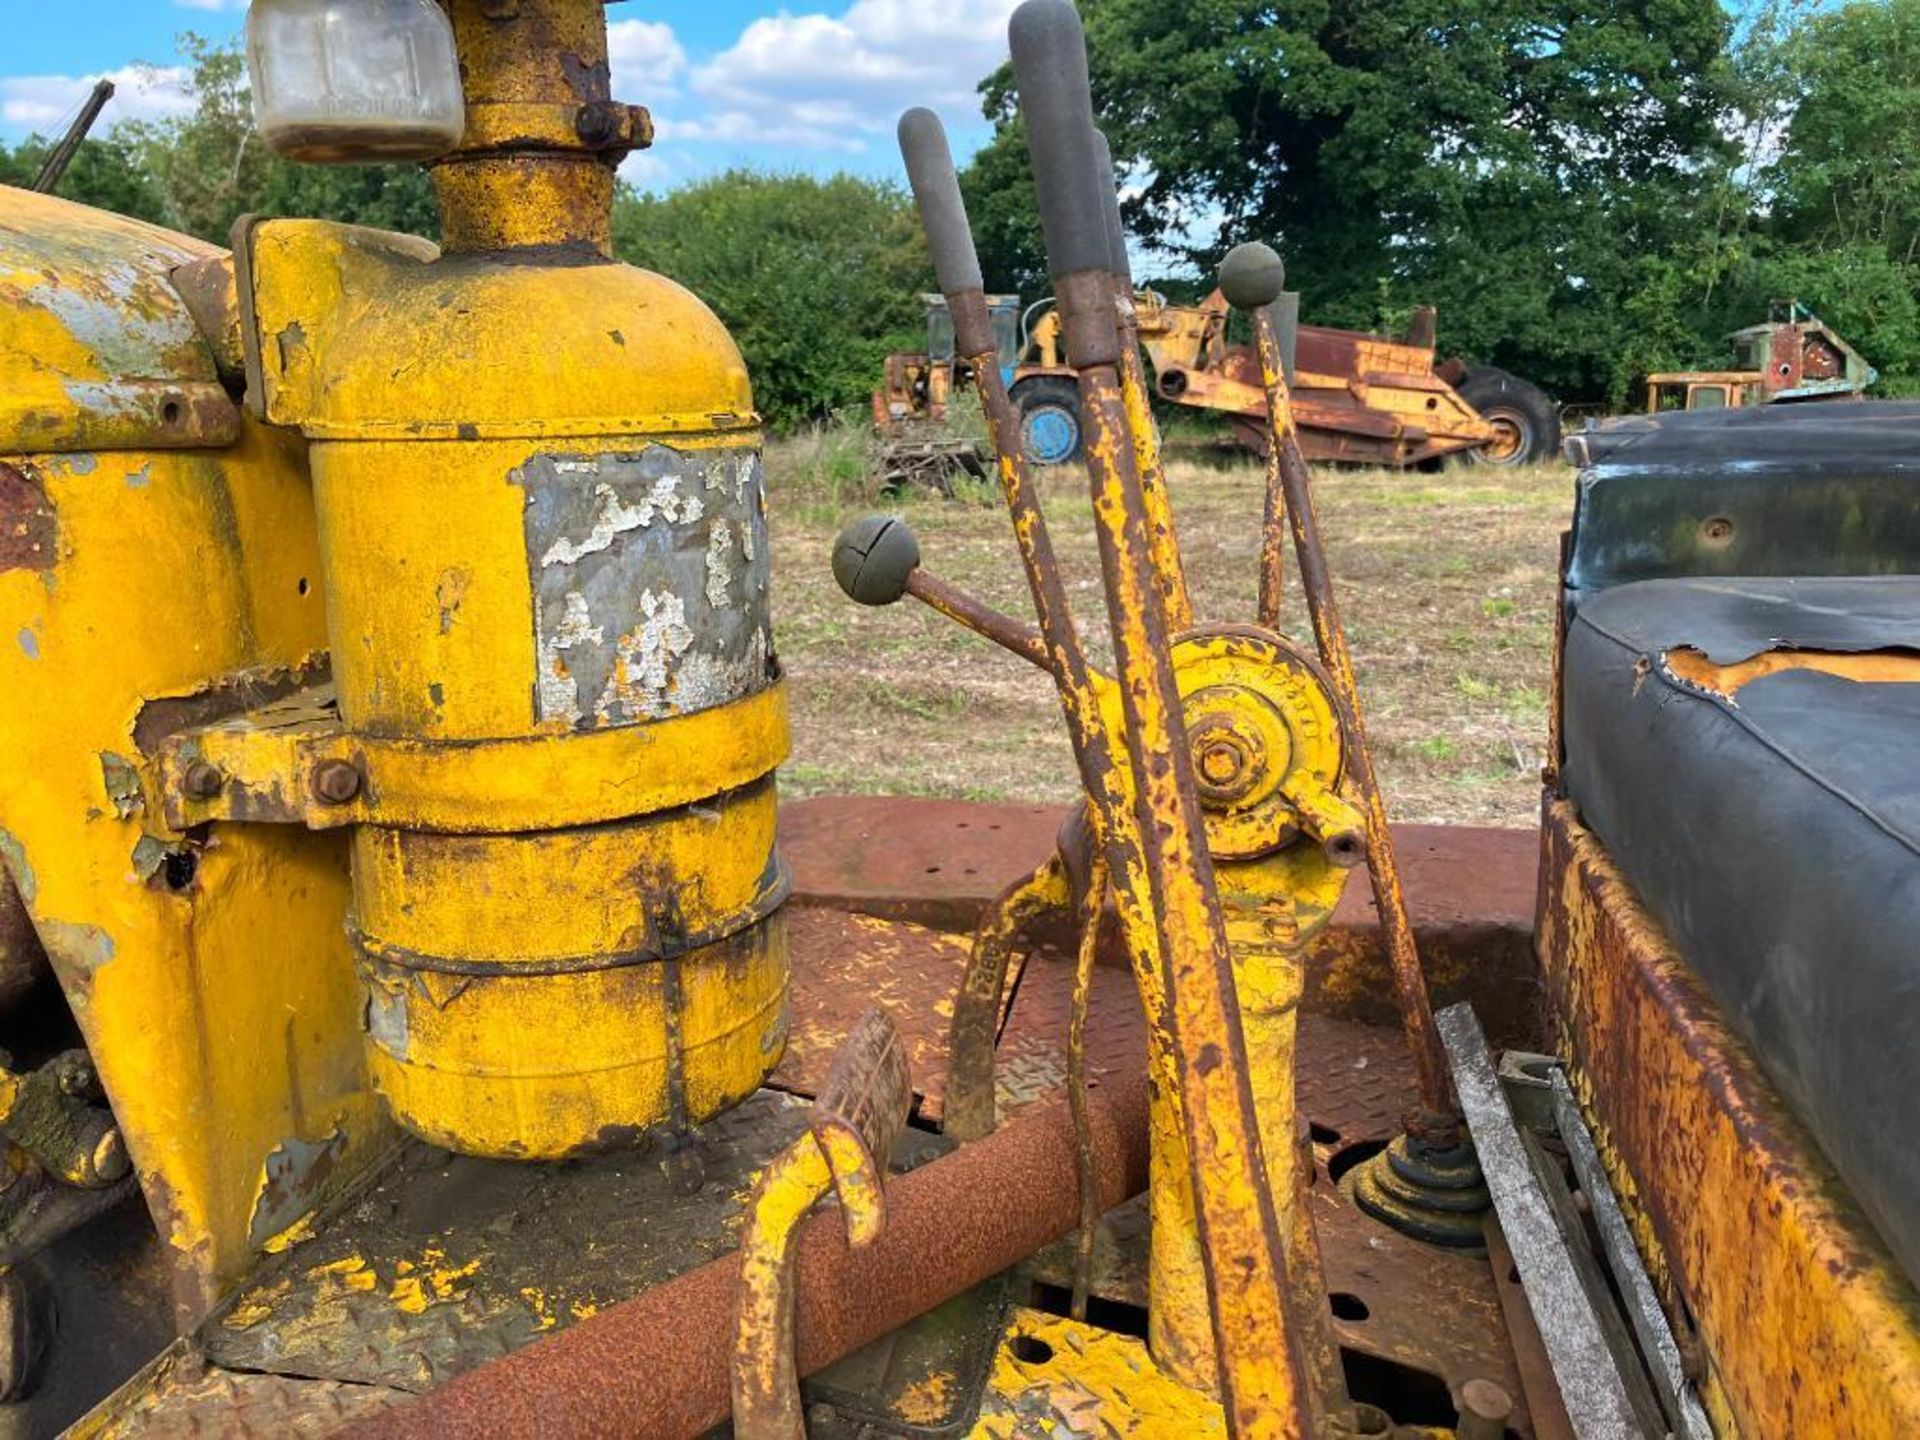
[1056,101]
[936,189]
[1118,260]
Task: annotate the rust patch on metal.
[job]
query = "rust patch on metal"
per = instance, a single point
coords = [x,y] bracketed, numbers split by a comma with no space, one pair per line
[841,965]
[933,862]
[1808,1326]
[1398,1299]
[292,1179]
[27,526]
[940,863]
[233,694]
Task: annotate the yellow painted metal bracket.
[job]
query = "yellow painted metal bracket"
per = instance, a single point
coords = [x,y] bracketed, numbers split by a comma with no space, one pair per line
[292,763]
[858,1117]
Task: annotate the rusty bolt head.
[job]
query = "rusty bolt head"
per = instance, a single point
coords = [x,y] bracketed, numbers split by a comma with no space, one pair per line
[1485,1409]
[203,780]
[597,123]
[1227,762]
[610,125]
[336,782]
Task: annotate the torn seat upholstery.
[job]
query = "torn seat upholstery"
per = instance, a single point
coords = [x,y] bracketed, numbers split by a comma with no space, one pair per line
[1773,827]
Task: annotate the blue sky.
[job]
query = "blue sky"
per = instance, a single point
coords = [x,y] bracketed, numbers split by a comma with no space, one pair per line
[813,84]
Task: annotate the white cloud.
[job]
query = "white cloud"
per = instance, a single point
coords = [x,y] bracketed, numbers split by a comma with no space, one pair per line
[46,102]
[819,81]
[211,4]
[646,58]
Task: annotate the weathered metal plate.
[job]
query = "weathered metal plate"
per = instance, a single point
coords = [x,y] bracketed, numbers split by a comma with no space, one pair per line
[449,1261]
[1056,1377]
[923,1380]
[1471,892]
[842,965]
[935,862]
[650,582]
[180,1395]
[1805,1325]
[1355,1084]
[1032,1059]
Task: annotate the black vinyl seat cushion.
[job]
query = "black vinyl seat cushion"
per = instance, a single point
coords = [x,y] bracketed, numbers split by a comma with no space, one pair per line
[1776,835]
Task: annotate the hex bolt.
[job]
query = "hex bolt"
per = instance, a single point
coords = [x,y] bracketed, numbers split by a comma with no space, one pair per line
[336,782]
[203,780]
[1227,762]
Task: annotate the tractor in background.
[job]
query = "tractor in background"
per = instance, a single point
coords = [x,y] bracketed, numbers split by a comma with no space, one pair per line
[1359,399]
[1794,356]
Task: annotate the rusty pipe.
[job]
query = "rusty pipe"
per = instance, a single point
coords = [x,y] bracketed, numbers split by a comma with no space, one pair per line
[657,1365]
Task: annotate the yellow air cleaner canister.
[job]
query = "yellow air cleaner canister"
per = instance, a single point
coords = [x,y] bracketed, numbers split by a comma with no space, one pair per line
[537,475]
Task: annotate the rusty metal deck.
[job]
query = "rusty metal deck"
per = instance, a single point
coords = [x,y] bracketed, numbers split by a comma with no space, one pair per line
[446,1262]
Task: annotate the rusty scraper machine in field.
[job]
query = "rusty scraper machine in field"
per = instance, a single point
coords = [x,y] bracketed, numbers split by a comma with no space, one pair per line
[423,1022]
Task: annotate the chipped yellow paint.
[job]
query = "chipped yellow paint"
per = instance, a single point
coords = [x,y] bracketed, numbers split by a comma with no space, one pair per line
[351,1273]
[536,1298]
[1055,1378]
[764,1378]
[430,1281]
[294,1234]
[927,1400]
[215,1054]
[520,1006]
[583,1309]
[248,1313]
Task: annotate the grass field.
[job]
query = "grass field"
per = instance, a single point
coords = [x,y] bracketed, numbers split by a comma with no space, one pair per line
[1446,581]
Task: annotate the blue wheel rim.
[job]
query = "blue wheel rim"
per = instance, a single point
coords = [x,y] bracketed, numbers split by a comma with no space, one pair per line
[1051,434]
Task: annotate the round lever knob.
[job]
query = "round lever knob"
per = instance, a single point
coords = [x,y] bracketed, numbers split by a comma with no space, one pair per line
[873,558]
[1252,275]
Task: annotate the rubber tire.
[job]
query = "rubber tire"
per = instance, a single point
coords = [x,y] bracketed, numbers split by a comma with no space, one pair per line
[1043,394]
[1495,393]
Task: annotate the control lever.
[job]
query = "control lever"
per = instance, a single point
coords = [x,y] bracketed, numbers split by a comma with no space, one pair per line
[1263,1382]
[1418,1184]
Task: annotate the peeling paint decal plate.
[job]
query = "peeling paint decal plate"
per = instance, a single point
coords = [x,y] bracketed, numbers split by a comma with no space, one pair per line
[650,581]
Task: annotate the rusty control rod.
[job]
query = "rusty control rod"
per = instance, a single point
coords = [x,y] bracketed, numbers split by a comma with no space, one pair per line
[936,188]
[876,559]
[1262,1380]
[1251,279]
[1169,570]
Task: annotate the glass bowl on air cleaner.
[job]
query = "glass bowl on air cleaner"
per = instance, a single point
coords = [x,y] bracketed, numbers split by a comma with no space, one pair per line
[345,82]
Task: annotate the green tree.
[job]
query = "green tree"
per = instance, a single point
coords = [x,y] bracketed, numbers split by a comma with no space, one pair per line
[102,173]
[1512,161]
[817,279]
[1837,209]
[208,167]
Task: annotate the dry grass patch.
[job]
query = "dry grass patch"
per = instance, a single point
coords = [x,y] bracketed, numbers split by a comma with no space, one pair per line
[1447,582]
